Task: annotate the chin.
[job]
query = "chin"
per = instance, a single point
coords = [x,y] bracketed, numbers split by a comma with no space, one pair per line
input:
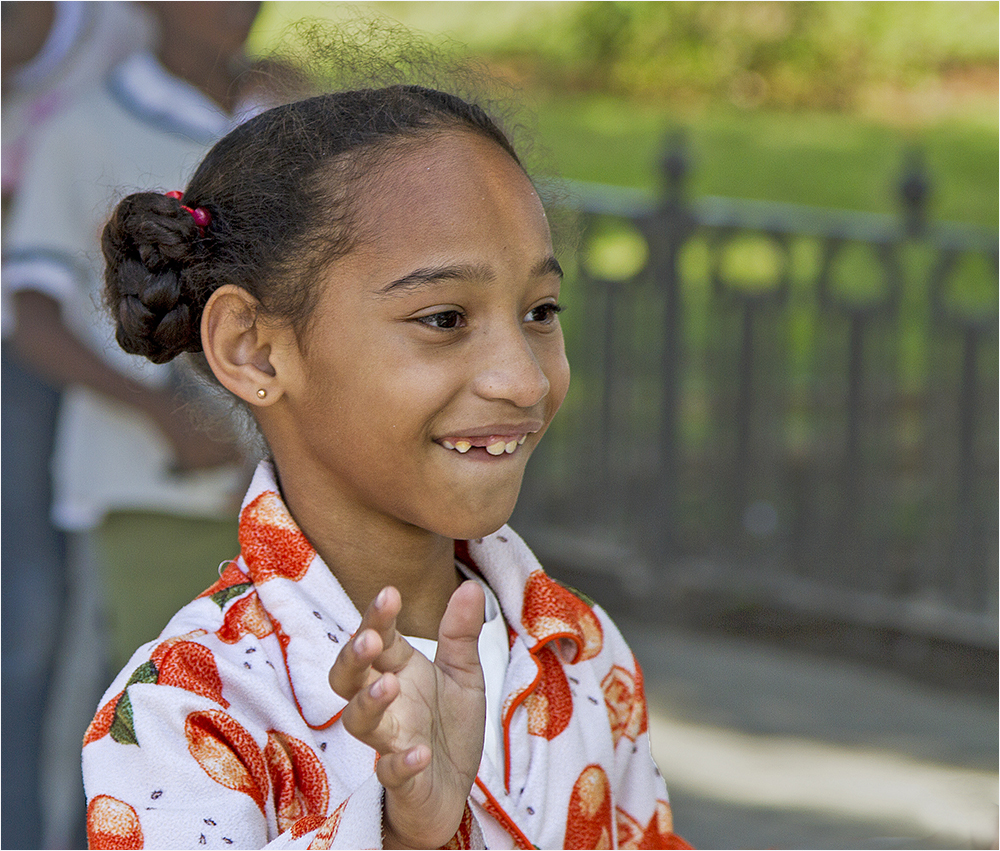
[473,525]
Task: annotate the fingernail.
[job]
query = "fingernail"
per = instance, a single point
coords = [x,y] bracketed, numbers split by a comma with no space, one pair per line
[377,689]
[381,599]
[413,757]
[359,643]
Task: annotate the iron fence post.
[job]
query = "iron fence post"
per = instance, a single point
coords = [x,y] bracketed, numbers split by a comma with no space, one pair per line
[673,222]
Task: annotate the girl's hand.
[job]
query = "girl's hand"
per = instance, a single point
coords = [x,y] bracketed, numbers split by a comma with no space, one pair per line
[426,720]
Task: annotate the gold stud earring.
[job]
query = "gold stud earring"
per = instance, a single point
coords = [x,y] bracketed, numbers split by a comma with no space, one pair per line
[262,393]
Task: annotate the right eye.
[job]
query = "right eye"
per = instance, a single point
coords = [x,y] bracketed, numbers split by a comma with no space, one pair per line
[445,319]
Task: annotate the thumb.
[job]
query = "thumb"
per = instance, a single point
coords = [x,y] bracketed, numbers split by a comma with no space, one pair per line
[458,635]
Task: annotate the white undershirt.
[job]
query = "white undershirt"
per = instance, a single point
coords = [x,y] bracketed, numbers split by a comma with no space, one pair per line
[494,654]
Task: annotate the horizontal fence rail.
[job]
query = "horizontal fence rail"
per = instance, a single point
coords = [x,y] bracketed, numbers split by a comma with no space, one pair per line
[786,404]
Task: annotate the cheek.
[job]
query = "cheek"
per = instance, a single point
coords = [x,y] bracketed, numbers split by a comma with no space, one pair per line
[374,406]
[556,368]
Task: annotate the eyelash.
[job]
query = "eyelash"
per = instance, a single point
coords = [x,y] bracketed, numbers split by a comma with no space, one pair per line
[433,320]
[552,311]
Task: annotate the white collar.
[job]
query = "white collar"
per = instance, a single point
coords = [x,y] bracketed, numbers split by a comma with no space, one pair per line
[301,593]
[143,87]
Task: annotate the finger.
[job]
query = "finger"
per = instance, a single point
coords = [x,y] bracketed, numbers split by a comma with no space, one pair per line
[458,634]
[364,716]
[352,672]
[381,616]
[396,769]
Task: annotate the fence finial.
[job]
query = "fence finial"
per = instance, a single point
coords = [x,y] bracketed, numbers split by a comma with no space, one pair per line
[674,165]
[914,189]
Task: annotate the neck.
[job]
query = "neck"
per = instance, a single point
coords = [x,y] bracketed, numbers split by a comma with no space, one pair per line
[368,552]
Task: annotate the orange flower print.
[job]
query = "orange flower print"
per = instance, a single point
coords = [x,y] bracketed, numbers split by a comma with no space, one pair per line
[550,705]
[298,780]
[231,582]
[244,617]
[659,832]
[191,666]
[305,824]
[328,832]
[227,753]
[271,543]
[112,824]
[623,697]
[103,720]
[160,650]
[551,610]
[175,662]
[629,830]
[588,822]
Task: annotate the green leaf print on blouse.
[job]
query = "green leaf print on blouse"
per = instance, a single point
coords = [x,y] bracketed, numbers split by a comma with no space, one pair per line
[123,726]
[222,597]
[177,662]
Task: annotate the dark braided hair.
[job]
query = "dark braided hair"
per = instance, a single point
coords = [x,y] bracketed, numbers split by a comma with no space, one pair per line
[282,191]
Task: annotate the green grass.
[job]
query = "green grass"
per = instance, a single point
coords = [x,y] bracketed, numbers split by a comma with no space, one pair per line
[826,160]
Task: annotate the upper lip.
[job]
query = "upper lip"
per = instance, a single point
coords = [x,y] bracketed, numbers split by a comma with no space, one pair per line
[497,430]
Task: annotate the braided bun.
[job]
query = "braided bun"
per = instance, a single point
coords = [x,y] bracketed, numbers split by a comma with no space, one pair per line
[148,244]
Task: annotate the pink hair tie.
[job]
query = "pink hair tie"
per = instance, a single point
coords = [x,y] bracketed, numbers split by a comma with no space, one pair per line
[202,218]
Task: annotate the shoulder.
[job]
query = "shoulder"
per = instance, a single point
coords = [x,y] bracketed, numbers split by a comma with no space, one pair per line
[206,650]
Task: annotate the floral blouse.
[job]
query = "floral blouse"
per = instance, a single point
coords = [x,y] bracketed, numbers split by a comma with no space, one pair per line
[224,732]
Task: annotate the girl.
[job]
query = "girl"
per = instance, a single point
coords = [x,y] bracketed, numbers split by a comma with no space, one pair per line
[371,273]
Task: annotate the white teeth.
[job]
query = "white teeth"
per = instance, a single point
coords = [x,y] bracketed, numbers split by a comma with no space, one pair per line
[498,447]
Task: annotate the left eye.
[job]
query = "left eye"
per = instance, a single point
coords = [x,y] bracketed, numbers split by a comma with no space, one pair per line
[544,313]
[445,319]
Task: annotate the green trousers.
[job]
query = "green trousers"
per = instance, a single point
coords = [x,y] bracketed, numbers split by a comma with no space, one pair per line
[154,564]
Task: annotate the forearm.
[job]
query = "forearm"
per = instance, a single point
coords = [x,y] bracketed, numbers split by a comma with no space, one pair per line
[43,341]
[45,344]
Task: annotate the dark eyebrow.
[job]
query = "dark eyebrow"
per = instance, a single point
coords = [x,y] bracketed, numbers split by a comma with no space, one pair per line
[436,274]
[549,266]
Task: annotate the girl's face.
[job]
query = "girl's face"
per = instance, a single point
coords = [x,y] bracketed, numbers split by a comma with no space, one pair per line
[435,359]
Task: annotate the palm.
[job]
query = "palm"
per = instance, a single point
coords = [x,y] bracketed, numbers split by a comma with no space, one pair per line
[434,709]
[425,719]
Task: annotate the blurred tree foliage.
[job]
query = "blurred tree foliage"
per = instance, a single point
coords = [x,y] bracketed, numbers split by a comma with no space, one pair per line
[818,54]
[826,55]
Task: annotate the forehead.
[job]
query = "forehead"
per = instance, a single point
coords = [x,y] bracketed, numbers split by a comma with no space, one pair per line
[454,182]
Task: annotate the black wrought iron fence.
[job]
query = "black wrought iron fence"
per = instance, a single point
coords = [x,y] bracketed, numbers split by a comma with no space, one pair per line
[789,403]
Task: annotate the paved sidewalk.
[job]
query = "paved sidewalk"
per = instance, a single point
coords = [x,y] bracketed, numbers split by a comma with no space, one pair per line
[767,746]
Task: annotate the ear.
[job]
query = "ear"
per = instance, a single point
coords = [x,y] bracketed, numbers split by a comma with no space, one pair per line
[240,350]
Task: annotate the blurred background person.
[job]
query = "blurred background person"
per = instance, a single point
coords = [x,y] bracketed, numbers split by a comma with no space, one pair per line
[51,53]
[142,124]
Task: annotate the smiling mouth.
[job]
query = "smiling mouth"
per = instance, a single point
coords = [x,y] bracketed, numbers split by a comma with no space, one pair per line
[494,444]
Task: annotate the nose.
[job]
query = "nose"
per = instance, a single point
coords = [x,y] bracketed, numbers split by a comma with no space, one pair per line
[510,370]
